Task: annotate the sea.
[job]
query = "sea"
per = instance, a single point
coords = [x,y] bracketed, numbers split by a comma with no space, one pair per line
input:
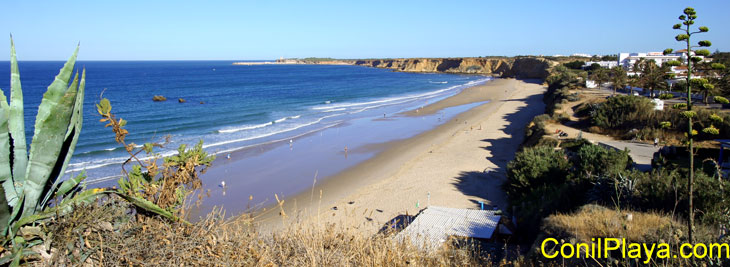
[229,107]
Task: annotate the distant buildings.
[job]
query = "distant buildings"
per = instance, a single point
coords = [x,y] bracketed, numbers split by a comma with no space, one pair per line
[627,60]
[580,55]
[603,64]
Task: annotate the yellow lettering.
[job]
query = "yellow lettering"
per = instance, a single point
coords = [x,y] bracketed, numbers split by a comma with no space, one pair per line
[704,251]
[562,250]
[720,248]
[583,247]
[607,247]
[681,250]
[663,252]
[649,252]
[634,251]
[542,248]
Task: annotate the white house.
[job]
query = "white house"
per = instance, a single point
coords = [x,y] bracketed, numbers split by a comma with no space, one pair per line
[580,55]
[591,84]
[604,64]
[627,60]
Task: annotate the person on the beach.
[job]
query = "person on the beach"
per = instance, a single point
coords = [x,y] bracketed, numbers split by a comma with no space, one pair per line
[656,141]
[345,151]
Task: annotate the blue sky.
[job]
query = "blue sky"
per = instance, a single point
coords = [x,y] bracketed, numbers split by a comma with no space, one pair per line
[237,30]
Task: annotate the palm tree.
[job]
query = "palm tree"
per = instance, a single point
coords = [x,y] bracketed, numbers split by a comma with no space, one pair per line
[600,76]
[618,78]
[653,77]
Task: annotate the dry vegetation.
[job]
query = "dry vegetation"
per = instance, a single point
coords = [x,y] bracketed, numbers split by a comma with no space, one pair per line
[108,235]
[596,221]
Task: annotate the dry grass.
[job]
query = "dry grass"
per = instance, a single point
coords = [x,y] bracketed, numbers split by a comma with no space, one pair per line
[108,235]
[593,221]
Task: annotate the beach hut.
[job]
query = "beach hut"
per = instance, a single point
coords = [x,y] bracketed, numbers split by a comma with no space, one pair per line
[434,225]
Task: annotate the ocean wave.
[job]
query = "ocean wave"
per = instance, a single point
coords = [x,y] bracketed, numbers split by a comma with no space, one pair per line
[244,128]
[400,99]
[278,140]
[438,82]
[269,134]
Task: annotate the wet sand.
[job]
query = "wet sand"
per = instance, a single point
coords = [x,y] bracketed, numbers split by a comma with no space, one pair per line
[458,164]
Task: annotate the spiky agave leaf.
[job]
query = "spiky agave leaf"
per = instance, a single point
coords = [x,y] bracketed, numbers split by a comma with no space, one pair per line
[48,148]
[63,207]
[4,162]
[16,121]
[150,207]
[72,137]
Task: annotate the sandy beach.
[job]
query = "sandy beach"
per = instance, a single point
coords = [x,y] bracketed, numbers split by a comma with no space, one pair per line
[457,164]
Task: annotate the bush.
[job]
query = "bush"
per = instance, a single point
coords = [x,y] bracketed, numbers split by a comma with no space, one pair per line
[576,65]
[535,167]
[622,112]
[600,161]
[666,96]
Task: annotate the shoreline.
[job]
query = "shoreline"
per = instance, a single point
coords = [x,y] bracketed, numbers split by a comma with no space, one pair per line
[457,164]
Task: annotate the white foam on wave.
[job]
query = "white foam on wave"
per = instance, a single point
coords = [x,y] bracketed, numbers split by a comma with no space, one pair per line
[400,99]
[270,133]
[244,128]
[439,82]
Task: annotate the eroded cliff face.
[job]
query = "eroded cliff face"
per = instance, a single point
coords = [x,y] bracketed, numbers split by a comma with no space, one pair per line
[522,67]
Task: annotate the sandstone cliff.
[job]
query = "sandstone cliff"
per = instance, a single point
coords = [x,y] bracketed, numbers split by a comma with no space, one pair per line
[520,67]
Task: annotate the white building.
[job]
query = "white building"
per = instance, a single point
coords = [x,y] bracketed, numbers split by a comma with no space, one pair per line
[627,60]
[580,55]
[604,64]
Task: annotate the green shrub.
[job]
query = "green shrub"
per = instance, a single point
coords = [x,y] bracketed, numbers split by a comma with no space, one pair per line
[535,167]
[666,96]
[622,112]
[600,161]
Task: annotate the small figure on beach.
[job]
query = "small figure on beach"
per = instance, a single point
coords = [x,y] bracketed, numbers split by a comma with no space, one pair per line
[383,115]
[656,141]
[228,156]
[291,144]
[345,151]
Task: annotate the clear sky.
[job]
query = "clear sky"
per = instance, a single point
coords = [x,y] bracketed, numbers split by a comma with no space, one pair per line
[238,30]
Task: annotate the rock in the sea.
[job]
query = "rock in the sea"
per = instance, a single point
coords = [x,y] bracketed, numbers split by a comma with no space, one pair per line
[158,98]
[201,102]
[180,100]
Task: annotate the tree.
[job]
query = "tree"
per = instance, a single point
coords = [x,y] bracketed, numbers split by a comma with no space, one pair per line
[652,76]
[688,19]
[618,78]
[599,75]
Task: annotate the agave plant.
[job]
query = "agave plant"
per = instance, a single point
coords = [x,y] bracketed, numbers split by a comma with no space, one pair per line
[30,179]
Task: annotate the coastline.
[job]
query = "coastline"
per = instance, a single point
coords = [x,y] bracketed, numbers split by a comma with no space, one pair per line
[456,164]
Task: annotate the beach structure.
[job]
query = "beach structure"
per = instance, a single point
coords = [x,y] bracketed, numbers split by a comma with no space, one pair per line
[434,225]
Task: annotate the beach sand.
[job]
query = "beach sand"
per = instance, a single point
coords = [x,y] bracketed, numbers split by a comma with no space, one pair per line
[458,164]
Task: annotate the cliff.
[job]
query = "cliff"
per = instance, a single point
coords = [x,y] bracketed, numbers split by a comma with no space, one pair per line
[516,67]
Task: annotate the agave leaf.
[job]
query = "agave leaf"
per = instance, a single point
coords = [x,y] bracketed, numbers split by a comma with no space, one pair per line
[72,136]
[54,93]
[16,120]
[150,207]
[63,207]
[65,187]
[4,212]
[9,194]
[48,150]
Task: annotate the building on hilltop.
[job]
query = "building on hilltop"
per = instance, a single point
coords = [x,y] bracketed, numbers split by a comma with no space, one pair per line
[603,64]
[580,55]
[627,60]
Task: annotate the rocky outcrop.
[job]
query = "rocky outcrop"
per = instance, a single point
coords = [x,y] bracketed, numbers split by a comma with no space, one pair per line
[158,98]
[519,67]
